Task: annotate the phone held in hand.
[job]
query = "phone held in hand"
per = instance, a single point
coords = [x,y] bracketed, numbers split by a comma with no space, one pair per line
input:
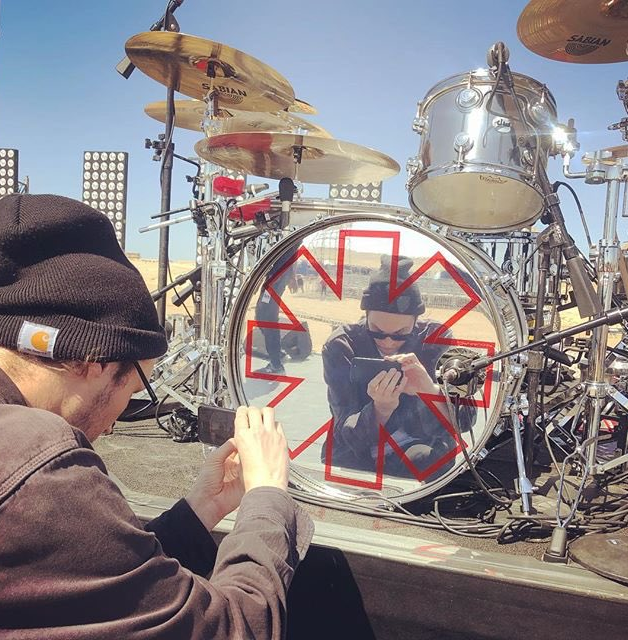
[215,424]
[363,370]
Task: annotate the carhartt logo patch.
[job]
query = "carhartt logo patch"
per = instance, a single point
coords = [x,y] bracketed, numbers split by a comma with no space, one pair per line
[37,339]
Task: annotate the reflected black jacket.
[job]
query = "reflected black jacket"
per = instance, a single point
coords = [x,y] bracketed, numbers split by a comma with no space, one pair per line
[356,431]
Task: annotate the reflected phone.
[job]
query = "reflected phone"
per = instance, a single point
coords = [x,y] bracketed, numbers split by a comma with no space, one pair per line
[215,424]
[363,370]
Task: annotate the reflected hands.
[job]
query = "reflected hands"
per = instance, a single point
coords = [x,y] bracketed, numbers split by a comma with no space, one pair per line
[384,389]
[416,375]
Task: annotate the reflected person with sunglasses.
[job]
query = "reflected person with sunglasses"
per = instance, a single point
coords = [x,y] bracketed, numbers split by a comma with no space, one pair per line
[392,329]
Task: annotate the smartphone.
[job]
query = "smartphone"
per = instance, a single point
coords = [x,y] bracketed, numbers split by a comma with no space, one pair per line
[363,370]
[215,424]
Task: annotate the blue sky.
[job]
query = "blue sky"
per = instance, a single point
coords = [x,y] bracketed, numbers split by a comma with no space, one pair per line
[363,64]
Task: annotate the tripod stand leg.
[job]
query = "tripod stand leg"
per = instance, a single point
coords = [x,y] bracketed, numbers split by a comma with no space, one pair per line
[525,486]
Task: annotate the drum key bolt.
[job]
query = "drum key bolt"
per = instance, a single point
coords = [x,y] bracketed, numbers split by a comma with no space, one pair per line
[463,142]
[468,98]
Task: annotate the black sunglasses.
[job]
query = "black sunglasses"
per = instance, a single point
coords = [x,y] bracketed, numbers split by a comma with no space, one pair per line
[397,337]
[151,393]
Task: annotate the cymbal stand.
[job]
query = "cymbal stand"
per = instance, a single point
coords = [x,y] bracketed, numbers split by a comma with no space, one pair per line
[210,386]
[164,151]
[602,168]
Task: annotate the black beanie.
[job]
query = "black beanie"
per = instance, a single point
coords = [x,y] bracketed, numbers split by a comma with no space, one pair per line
[67,291]
[376,297]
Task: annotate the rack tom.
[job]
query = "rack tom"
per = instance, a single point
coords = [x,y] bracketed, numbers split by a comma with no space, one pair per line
[480,154]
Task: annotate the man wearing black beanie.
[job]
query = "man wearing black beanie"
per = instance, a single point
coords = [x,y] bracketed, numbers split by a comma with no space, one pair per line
[391,329]
[79,335]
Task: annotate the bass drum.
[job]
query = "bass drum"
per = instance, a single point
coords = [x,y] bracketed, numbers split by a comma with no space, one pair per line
[467,306]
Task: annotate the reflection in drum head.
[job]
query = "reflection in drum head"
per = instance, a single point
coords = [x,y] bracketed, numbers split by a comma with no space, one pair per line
[373,287]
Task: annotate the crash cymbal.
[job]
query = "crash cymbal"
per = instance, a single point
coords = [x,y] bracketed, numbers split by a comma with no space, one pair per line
[300,106]
[189,115]
[322,160]
[195,66]
[584,31]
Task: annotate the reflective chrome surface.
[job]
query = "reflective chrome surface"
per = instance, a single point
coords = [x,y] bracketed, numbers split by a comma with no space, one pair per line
[334,257]
[475,169]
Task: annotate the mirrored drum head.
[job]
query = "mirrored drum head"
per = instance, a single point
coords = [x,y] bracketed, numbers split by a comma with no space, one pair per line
[299,324]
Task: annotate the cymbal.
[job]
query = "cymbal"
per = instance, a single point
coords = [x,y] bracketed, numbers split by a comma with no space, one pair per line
[271,155]
[189,115]
[606,156]
[583,31]
[194,66]
[602,553]
[300,106]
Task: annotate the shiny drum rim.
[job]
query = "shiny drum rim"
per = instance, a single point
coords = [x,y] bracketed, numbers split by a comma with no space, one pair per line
[499,299]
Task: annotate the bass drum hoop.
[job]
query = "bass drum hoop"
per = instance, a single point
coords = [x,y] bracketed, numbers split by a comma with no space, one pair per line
[508,316]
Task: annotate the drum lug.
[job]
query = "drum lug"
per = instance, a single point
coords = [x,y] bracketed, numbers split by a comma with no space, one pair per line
[528,157]
[503,281]
[468,99]
[539,114]
[499,427]
[413,166]
[463,142]
[420,121]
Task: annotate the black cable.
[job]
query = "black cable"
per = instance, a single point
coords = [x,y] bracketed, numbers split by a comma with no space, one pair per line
[176,292]
[559,183]
[454,423]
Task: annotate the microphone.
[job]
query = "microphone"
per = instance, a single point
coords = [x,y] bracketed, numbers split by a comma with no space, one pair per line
[246,231]
[254,189]
[263,221]
[455,369]
[286,196]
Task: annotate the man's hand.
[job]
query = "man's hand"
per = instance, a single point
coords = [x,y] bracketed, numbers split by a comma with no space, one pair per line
[218,488]
[384,389]
[418,379]
[262,448]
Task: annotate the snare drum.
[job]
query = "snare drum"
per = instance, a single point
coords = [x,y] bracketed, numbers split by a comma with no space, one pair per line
[478,158]
[335,255]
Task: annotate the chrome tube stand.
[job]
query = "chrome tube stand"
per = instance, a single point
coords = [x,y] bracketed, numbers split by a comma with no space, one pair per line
[602,167]
[210,387]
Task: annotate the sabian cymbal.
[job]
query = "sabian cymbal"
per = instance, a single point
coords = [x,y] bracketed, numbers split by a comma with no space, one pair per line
[194,66]
[322,160]
[300,106]
[189,115]
[584,31]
